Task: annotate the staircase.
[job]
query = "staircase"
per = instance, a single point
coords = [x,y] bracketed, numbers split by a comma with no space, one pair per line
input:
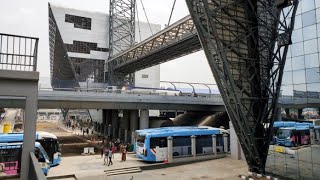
[128,170]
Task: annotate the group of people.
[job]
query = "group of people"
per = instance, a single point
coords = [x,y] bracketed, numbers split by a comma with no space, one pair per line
[109,150]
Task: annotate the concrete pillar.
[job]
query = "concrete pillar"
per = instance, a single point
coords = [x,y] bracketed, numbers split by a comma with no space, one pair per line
[225,143]
[312,136]
[214,144]
[300,114]
[317,132]
[193,146]
[170,149]
[125,123]
[125,135]
[119,133]
[109,130]
[133,140]
[287,112]
[134,114]
[144,119]
[235,148]
[29,133]
[278,114]
[114,122]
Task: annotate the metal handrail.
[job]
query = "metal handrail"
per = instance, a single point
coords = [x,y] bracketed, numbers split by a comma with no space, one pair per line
[18,53]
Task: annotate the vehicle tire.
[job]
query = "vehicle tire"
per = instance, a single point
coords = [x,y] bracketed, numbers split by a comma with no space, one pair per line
[176,154]
[218,150]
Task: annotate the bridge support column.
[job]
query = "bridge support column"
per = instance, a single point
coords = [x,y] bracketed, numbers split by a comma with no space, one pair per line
[300,114]
[169,150]
[214,144]
[278,114]
[144,119]
[193,146]
[134,120]
[287,112]
[235,148]
[114,121]
[312,136]
[317,132]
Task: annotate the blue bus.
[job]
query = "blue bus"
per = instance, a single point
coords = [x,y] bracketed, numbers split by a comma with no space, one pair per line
[293,136]
[10,158]
[48,141]
[151,144]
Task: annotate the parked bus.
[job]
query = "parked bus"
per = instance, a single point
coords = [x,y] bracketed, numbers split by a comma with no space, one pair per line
[151,144]
[293,136]
[48,141]
[10,158]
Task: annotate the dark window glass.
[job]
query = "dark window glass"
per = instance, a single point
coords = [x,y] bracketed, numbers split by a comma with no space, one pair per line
[78,21]
[159,141]
[84,47]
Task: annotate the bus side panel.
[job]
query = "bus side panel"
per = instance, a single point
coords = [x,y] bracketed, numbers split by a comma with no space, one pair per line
[10,168]
[161,154]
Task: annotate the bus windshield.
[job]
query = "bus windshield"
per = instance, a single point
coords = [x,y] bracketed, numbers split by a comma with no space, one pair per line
[140,141]
[283,133]
[43,152]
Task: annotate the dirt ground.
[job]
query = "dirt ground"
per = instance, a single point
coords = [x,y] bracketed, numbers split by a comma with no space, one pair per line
[71,144]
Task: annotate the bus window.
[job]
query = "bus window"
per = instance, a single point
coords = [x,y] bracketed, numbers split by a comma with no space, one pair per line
[158,141]
[140,141]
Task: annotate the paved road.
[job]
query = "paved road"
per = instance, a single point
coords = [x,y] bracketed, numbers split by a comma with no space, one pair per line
[91,167]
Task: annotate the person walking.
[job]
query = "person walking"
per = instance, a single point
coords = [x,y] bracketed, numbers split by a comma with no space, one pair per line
[106,154]
[101,151]
[110,157]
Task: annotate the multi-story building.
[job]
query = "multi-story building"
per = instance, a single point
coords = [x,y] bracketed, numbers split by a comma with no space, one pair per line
[301,79]
[79,42]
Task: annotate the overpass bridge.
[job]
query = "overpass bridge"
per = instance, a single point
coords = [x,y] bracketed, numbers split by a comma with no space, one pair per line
[118,100]
[178,39]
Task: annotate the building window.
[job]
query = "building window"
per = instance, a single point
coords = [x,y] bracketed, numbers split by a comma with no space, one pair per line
[309,18]
[145,76]
[84,47]
[78,21]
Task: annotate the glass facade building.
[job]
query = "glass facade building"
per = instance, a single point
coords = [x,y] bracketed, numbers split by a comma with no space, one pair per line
[301,79]
[300,90]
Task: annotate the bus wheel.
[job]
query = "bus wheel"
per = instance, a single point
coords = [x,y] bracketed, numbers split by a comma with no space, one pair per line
[176,154]
[218,150]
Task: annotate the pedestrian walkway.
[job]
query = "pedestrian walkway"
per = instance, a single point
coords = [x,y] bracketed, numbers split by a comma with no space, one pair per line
[91,167]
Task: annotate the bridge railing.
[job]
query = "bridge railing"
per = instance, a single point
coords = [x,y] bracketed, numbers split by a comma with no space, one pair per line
[133,92]
[18,52]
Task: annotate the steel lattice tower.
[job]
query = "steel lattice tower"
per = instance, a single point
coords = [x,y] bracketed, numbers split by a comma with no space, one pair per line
[246,43]
[121,37]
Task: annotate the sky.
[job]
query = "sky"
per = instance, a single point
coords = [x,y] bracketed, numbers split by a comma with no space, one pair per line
[30,18]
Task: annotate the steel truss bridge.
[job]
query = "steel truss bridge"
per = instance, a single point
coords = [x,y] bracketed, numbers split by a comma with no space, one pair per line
[246,43]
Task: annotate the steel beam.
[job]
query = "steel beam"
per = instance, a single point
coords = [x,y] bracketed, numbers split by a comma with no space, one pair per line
[176,40]
[121,37]
[246,42]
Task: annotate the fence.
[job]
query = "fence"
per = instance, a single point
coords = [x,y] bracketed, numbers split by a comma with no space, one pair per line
[18,52]
[302,162]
